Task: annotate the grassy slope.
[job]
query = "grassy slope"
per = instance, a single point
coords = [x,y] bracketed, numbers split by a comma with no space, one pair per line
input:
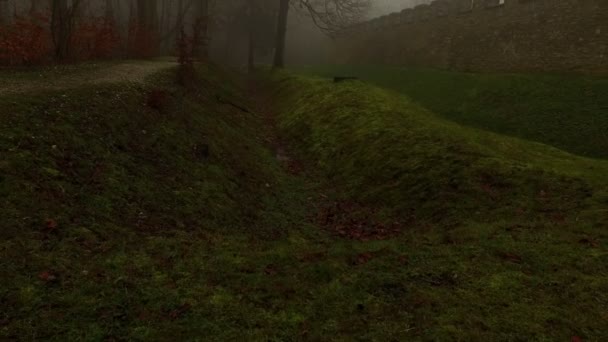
[141,212]
[569,112]
[156,242]
[498,225]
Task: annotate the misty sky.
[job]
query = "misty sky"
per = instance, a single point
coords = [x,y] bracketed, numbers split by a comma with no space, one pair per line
[381,7]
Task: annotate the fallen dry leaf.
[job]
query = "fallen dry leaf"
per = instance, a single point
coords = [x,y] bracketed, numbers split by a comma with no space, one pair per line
[47,276]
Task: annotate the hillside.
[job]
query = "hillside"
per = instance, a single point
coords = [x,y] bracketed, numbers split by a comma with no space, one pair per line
[117,199]
[499,238]
[285,208]
[565,111]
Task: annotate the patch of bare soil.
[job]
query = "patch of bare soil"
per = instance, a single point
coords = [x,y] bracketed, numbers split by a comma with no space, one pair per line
[131,72]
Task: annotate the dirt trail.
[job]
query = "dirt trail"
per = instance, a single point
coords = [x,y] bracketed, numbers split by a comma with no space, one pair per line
[342,218]
[77,76]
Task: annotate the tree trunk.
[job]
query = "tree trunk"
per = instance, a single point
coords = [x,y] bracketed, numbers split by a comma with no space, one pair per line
[165,17]
[132,29]
[202,25]
[251,49]
[109,11]
[279,52]
[251,53]
[60,28]
[179,20]
[4,12]
[147,35]
[38,6]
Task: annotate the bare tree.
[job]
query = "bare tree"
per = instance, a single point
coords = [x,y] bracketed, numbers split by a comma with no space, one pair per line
[279,54]
[4,12]
[251,48]
[109,11]
[170,31]
[62,23]
[201,28]
[147,28]
[329,15]
[261,15]
[37,6]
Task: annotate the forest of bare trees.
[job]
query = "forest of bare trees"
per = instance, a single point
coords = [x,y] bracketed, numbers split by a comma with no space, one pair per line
[59,31]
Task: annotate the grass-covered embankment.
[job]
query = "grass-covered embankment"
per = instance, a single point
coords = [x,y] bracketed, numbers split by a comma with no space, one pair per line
[569,112]
[386,150]
[128,216]
[126,206]
[505,236]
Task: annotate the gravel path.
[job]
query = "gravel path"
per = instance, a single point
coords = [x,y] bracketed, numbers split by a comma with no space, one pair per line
[17,82]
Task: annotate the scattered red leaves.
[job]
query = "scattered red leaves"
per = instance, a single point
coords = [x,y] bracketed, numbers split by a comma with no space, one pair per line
[492,185]
[489,190]
[180,311]
[362,258]
[158,99]
[365,257]
[557,218]
[47,276]
[420,301]
[313,257]
[294,167]
[511,257]
[95,38]
[144,315]
[50,225]
[185,53]
[271,270]
[283,290]
[589,242]
[356,222]
[576,339]
[26,41]
[143,42]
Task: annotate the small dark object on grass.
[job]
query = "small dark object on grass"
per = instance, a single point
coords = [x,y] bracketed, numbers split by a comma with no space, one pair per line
[158,99]
[338,79]
[228,102]
[180,311]
[201,151]
[47,277]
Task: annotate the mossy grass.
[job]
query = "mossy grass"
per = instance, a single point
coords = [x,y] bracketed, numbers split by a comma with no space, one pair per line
[385,149]
[566,111]
[494,219]
[126,222]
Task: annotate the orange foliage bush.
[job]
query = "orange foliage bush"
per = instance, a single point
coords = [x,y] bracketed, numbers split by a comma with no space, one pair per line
[26,41]
[158,99]
[143,43]
[185,47]
[95,38]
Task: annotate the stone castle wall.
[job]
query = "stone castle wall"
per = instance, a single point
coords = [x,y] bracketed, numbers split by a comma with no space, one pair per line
[486,35]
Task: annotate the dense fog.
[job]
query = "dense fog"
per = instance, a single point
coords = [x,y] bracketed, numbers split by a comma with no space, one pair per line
[146,28]
[226,25]
[304,170]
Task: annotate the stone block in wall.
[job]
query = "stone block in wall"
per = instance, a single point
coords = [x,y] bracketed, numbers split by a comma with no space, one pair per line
[493,3]
[384,21]
[407,16]
[374,24]
[441,8]
[522,35]
[422,13]
[394,19]
[434,9]
[464,6]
